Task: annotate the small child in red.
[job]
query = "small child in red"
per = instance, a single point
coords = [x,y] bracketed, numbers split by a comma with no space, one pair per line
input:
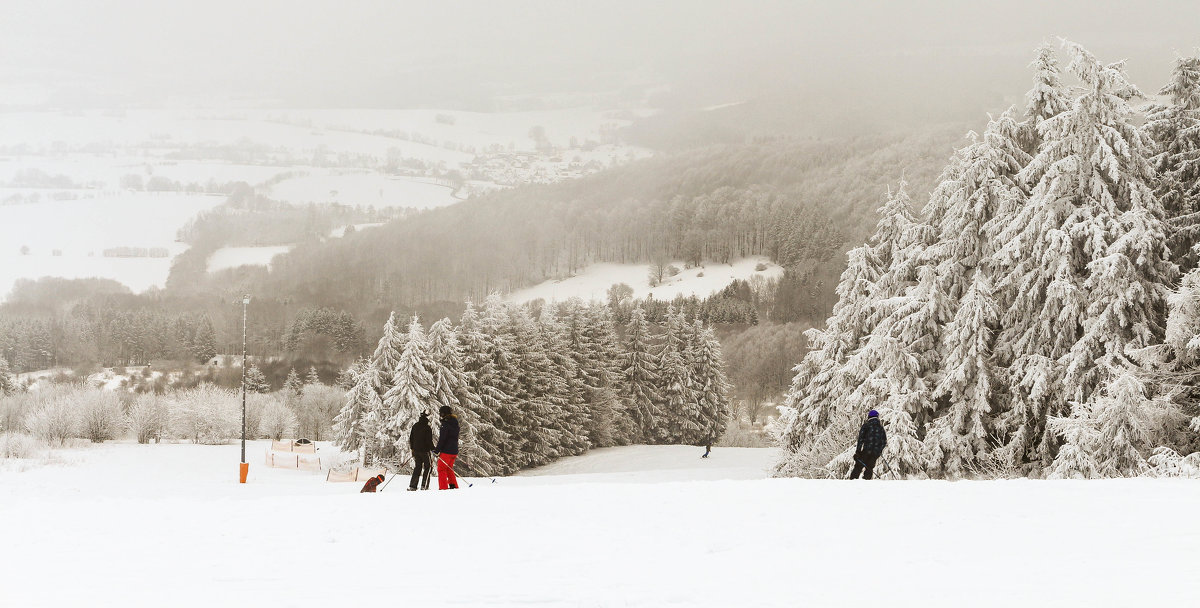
[372,483]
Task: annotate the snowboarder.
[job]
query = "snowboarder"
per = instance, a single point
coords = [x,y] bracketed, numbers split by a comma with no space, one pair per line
[871,441]
[447,449]
[372,484]
[420,440]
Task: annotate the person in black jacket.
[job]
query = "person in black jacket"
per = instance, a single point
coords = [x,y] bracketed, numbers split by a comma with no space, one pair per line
[447,449]
[420,440]
[871,441]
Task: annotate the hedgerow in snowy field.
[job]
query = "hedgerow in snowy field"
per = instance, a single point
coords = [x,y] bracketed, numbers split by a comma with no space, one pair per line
[1023,322]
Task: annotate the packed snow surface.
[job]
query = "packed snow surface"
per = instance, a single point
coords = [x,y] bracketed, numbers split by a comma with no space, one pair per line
[131,525]
[592,282]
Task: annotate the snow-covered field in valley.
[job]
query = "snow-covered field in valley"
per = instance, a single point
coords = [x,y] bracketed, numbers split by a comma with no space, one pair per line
[81,229]
[593,282]
[130,525]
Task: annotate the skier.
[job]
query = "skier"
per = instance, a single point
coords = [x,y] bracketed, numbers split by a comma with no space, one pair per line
[420,440]
[447,449]
[707,447]
[871,441]
[372,484]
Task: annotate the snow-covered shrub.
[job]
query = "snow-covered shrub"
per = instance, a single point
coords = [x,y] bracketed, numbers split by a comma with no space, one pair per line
[56,418]
[1110,436]
[672,270]
[275,419]
[759,267]
[316,408]
[148,418]
[991,466]
[100,416]
[737,435]
[18,445]
[14,409]
[206,414]
[1165,462]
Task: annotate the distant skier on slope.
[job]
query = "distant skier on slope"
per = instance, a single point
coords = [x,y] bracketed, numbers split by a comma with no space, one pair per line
[420,440]
[707,447]
[447,449]
[372,484]
[871,441]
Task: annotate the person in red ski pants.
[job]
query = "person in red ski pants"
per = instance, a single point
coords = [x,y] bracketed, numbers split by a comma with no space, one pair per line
[447,449]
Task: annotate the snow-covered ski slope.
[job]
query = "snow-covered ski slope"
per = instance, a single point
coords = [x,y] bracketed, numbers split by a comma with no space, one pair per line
[167,525]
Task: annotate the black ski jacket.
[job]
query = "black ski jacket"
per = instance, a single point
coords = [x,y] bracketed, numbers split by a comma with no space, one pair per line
[421,437]
[871,438]
[448,436]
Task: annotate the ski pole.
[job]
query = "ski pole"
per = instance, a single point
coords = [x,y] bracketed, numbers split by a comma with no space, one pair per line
[450,468]
[385,483]
[889,468]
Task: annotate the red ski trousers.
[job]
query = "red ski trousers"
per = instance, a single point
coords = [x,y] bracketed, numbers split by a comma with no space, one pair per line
[446,476]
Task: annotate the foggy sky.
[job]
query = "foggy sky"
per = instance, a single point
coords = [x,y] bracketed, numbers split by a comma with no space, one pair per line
[464,54]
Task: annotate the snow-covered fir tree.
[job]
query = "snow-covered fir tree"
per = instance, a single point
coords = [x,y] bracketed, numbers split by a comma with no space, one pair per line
[1175,128]
[293,387]
[485,360]
[957,438]
[411,392]
[822,418]
[601,334]
[256,382]
[8,382]
[540,394]
[1045,99]
[312,377]
[480,442]
[712,387]
[353,430]
[566,381]
[1114,435]
[1038,264]
[680,419]
[388,350]
[1091,218]
[639,377]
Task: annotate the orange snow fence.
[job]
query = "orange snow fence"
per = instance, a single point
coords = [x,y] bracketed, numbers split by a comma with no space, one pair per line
[355,474]
[291,446]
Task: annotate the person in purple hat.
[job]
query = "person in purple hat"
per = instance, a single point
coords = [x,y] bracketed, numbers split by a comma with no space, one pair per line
[871,441]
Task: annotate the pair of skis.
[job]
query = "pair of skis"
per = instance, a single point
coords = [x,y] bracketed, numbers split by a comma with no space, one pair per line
[425,485]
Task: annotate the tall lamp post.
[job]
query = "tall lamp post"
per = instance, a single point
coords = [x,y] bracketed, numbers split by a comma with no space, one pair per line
[244,468]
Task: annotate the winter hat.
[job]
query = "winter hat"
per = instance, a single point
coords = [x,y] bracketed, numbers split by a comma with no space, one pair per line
[872,414]
[444,411]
